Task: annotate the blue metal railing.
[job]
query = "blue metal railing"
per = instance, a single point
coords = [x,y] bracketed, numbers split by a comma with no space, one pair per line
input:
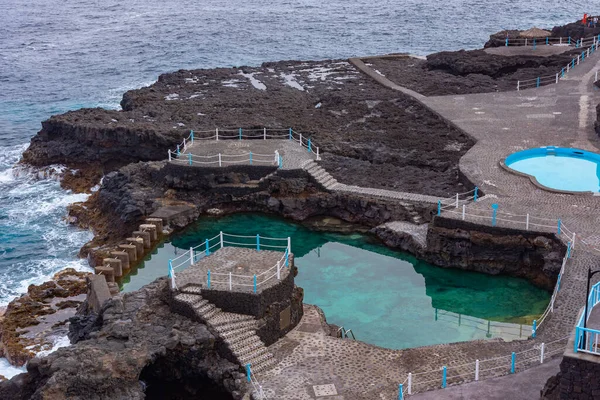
[587,339]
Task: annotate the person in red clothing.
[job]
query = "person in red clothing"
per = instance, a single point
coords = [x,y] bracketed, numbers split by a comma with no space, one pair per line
[584,20]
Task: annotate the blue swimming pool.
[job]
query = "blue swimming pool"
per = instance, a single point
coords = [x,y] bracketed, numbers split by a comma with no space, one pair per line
[559,168]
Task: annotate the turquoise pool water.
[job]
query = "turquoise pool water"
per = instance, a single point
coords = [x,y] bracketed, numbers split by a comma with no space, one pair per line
[559,168]
[388,298]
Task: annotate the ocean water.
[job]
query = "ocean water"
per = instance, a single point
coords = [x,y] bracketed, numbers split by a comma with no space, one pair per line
[388,298]
[57,56]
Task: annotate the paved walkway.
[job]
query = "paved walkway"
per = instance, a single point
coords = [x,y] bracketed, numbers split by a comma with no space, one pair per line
[524,385]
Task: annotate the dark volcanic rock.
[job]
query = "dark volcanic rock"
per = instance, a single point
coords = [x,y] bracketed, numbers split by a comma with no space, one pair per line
[139,338]
[355,121]
[473,71]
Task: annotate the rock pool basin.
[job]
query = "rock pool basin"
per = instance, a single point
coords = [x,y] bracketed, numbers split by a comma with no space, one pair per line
[388,298]
[558,168]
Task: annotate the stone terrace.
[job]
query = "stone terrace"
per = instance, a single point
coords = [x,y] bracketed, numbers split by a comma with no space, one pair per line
[242,263]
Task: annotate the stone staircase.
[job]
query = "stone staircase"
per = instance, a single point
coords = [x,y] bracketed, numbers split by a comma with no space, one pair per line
[237,331]
[328,182]
[321,176]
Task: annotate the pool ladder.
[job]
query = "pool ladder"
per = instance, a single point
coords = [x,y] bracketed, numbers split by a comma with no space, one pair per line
[346,332]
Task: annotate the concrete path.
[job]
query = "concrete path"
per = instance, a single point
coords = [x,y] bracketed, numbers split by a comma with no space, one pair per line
[525,385]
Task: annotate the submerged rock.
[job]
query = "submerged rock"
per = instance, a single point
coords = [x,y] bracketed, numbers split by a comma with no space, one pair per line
[36,320]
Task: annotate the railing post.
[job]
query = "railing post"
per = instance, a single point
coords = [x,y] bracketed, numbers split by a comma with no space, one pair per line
[547,41]
[463,213]
[444,374]
[537,82]
[190,158]
[400,392]
[557,77]
[287,257]
[308,147]
[542,354]
[558,231]
[526,42]
[177,150]
[506,42]
[439,209]
[513,357]
[318,148]
[278,273]
[569,250]
[280,162]
[219,159]
[257,242]
[476,370]
[572,63]
[533,328]
[250,158]
[248,372]
[290,134]
[191,256]
[192,136]
[527,222]
[207,251]
[230,283]
[562,73]
[518,85]
[573,244]
[534,44]
[409,383]
[264,133]
[240,133]
[254,283]
[456,200]
[221,238]
[494,212]
[208,279]
[169,154]
[569,40]
[475,194]
[217,133]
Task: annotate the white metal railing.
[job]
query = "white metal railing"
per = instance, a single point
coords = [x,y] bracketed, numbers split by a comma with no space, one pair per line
[592,43]
[240,134]
[480,369]
[510,220]
[457,200]
[226,159]
[230,280]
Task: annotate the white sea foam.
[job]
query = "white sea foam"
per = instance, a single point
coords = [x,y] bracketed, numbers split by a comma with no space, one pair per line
[61,341]
[8,371]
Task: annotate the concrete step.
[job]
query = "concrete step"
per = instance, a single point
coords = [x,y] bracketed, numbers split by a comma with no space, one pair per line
[189,298]
[331,179]
[229,318]
[251,324]
[252,346]
[238,337]
[245,343]
[200,304]
[253,356]
[204,308]
[192,288]
[211,314]
[243,332]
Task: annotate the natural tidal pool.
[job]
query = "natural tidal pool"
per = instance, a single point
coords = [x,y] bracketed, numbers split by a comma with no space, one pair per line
[388,298]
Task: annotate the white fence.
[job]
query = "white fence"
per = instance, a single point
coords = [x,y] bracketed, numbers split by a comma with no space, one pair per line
[221,160]
[229,281]
[592,43]
[480,369]
[241,134]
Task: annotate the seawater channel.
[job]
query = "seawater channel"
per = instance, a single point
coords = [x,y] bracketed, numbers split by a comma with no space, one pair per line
[387,297]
